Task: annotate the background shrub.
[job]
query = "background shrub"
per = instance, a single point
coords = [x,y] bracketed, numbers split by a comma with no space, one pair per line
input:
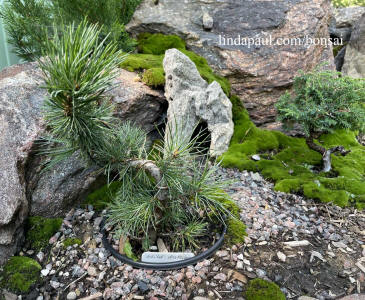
[29,22]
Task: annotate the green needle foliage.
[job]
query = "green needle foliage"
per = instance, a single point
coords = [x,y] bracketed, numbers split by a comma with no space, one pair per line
[170,188]
[78,71]
[322,103]
[29,23]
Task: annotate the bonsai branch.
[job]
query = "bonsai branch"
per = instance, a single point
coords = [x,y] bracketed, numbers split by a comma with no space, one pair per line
[150,167]
[312,145]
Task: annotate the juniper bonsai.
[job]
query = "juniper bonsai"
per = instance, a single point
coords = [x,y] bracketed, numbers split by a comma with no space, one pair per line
[323,102]
[167,189]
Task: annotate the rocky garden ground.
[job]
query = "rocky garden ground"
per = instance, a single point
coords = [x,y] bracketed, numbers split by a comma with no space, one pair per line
[305,247]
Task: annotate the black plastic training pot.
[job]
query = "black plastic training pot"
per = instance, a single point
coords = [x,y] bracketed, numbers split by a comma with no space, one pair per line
[161,266]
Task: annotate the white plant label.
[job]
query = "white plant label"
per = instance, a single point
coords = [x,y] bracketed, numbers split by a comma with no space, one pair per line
[165,257]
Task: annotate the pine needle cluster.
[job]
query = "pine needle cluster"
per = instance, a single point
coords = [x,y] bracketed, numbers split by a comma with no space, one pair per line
[29,23]
[171,188]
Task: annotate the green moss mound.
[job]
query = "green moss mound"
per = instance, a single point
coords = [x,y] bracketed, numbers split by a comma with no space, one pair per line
[292,165]
[158,43]
[236,232]
[152,49]
[259,289]
[154,77]
[40,230]
[19,274]
[236,229]
[71,241]
[101,197]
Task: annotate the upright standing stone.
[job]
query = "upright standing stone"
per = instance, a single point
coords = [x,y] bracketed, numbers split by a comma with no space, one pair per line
[192,101]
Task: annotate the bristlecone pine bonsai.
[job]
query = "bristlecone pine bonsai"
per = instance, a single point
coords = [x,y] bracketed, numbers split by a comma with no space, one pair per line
[324,101]
[169,190]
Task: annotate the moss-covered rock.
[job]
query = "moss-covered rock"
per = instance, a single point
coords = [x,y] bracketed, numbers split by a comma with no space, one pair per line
[39,230]
[19,274]
[152,49]
[101,197]
[259,289]
[292,165]
[71,241]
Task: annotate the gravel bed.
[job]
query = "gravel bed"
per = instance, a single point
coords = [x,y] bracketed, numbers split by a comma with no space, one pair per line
[326,265]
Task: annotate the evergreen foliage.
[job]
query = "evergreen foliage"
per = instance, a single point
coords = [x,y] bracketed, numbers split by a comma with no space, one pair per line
[322,103]
[29,23]
[167,189]
[78,71]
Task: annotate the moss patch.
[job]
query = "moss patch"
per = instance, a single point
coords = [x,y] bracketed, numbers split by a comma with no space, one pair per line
[291,164]
[154,77]
[101,197]
[40,230]
[236,230]
[129,251]
[72,241]
[19,274]
[259,289]
[158,43]
[152,49]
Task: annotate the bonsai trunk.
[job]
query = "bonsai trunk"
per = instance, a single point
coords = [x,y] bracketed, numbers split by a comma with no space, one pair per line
[155,172]
[326,154]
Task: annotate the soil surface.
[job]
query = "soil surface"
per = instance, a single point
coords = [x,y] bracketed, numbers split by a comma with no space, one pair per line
[327,260]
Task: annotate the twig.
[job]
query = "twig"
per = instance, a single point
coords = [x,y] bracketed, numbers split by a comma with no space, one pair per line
[82,276]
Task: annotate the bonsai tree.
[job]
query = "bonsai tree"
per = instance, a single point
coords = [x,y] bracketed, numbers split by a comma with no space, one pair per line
[321,103]
[169,189]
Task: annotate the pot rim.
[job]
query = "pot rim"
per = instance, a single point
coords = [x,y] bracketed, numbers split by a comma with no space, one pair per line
[161,266]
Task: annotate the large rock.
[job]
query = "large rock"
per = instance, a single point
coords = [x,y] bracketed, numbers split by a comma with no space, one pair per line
[341,26]
[23,188]
[193,101]
[20,124]
[259,74]
[348,16]
[354,64]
